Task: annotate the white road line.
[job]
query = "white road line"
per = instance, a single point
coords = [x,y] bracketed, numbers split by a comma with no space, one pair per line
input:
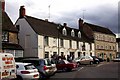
[99,65]
[80,68]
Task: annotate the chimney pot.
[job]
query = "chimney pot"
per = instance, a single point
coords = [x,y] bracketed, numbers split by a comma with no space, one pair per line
[22,12]
[65,24]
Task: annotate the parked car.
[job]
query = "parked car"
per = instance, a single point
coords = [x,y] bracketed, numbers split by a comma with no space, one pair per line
[95,60]
[65,65]
[44,66]
[84,60]
[116,59]
[26,71]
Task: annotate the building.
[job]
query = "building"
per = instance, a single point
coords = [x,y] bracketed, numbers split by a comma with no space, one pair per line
[118,47]
[10,36]
[104,39]
[41,38]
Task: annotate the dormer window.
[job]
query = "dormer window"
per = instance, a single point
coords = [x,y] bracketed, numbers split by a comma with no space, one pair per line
[72,33]
[79,34]
[64,32]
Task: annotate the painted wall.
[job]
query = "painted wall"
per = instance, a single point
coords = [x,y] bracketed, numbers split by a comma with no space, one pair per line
[28,39]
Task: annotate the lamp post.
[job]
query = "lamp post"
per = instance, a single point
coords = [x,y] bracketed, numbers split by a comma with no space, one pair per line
[58,27]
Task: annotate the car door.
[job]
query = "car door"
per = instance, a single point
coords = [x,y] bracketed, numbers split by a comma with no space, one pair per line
[60,64]
[87,59]
[82,60]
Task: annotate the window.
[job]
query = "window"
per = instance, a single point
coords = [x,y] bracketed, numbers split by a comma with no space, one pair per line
[46,40]
[18,27]
[46,54]
[97,46]
[61,42]
[72,33]
[90,46]
[64,32]
[79,34]
[4,36]
[83,47]
[77,45]
[55,41]
[83,53]
[70,44]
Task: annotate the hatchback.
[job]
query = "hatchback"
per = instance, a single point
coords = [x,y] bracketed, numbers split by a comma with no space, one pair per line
[26,71]
[84,60]
[44,66]
[66,66]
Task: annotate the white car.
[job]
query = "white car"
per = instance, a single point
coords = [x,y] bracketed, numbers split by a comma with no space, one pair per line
[84,60]
[26,71]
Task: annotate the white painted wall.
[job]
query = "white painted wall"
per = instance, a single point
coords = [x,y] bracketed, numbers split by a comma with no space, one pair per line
[41,48]
[27,38]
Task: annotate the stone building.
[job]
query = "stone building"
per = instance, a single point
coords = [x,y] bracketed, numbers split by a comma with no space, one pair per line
[104,39]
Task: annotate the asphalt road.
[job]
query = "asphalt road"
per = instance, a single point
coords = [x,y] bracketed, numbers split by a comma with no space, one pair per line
[104,70]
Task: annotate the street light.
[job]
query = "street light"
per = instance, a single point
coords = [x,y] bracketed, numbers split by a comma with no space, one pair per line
[58,27]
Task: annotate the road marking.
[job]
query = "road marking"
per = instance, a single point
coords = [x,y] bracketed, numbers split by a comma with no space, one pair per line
[99,65]
[80,68]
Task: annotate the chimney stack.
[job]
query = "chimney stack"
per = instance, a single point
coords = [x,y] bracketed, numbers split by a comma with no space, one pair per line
[80,22]
[22,12]
[65,24]
[3,5]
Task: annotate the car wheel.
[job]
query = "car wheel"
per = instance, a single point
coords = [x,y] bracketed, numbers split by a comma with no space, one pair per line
[69,69]
[78,63]
[97,62]
[91,62]
[19,77]
[64,69]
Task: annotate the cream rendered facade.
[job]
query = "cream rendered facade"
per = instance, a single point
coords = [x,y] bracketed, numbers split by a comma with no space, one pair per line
[52,47]
[105,45]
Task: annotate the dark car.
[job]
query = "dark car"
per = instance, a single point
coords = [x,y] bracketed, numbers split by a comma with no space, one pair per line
[100,59]
[44,66]
[95,60]
[65,65]
[116,59]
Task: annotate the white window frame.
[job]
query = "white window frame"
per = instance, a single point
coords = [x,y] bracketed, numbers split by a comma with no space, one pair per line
[72,33]
[64,32]
[79,34]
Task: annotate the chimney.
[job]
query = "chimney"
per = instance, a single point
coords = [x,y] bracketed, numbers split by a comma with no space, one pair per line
[80,22]
[22,12]
[65,24]
[3,5]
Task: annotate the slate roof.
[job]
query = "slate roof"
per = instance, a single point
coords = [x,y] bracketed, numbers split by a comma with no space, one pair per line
[7,24]
[97,28]
[11,46]
[47,28]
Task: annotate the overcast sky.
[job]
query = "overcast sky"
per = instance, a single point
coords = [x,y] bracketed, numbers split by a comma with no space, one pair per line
[100,12]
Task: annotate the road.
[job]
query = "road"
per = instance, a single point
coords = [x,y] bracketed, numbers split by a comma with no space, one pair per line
[104,70]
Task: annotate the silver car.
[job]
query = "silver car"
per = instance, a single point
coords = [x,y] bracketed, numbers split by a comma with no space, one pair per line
[84,60]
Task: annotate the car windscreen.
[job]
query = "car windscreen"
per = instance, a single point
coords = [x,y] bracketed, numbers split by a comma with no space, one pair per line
[29,67]
[47,62]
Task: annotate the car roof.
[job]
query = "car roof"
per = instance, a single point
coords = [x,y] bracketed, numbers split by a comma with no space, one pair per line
[20,63]
[32,59]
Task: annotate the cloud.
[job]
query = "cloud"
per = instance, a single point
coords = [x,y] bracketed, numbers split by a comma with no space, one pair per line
[99,12]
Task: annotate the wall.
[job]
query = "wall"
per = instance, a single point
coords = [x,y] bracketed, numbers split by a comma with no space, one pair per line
[28,39]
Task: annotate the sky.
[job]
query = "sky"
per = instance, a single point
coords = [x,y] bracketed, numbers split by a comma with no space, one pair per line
[100,12]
